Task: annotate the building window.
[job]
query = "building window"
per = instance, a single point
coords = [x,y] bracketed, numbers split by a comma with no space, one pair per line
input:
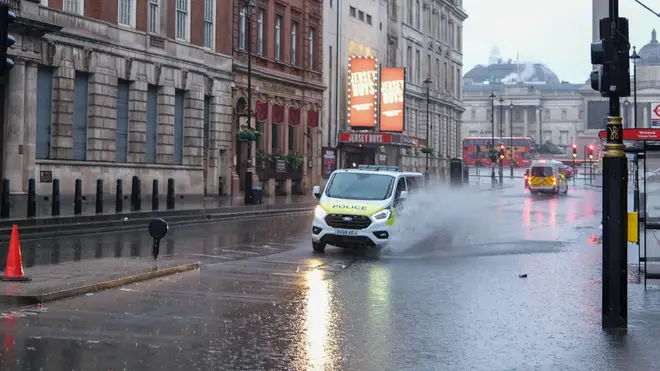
[310,59]
[446,76]
[154,16]
[352,11]
[368,19]
[80,111]
[581,114]
[410,12]
[473,115]
[294,42]
[418,72]
[278,37]
[292,138]
[177,143]
[437,73]
[459,39]
[241,29]
[121,132]
[44,111]
[209,23]
[126,13]
[418,10]
[260,32]
[409,63]
[428,66]
[152,123]
[361,15]
[564,114]
[74,6]
[182,19]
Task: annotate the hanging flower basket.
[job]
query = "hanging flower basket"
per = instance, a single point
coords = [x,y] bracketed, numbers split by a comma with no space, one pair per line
[248,135]
[427,150]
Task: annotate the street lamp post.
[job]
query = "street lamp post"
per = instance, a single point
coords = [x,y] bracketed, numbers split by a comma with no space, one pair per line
[428,83]
[500,168]
[540,129]
[626,111]
[249,6]
[511,136]
[501,100]
[635,57]
[492,139]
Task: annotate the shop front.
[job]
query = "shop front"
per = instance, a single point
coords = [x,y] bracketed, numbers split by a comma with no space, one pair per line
[285,136]
[375,148]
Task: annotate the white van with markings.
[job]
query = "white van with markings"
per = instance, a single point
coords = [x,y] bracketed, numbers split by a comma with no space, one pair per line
[358,207]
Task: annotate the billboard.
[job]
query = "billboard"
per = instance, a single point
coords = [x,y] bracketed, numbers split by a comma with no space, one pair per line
[392,105]
[362,92]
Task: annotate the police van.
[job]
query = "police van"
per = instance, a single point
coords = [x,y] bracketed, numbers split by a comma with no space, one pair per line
[547,176]
[358,207]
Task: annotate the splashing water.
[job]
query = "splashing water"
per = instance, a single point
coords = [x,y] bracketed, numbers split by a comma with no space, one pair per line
[439,217]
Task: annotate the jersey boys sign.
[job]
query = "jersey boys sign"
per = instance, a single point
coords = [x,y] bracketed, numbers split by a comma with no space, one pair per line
[392,86]
[362,92]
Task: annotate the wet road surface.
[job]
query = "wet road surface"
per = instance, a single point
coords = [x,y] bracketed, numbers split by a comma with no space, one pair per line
[449,296]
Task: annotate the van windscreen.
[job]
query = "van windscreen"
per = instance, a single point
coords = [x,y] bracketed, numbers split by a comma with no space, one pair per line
[542,171]
[360,186]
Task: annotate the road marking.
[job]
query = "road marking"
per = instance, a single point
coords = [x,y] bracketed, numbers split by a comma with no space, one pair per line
[213,256]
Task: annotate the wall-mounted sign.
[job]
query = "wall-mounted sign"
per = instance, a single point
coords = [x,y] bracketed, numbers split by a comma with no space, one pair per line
[329,161]
[362,92]
[392,104]
[365,138]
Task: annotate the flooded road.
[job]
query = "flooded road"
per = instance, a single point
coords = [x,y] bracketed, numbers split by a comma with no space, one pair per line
[512,284]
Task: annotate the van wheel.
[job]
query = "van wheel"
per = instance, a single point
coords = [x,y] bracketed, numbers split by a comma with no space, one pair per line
[318,247]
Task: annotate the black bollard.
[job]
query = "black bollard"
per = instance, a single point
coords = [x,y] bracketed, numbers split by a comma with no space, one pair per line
[119,197]
[157,229]
[154,195]
[32,198]
[4,198]
[136,197]
[170,194]
[55,205]
[77,198]
[99,196]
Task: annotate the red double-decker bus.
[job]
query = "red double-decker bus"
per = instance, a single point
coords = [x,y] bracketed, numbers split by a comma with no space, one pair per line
[522,150]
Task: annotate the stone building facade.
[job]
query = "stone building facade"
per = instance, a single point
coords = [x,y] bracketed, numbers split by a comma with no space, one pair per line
[287,94]
[426,37]
[111,89]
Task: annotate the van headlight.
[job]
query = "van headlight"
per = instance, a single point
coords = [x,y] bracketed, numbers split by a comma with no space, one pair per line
[319,212]
[382,215]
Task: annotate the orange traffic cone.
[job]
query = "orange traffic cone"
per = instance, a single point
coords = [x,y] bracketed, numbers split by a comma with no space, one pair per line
[14,268]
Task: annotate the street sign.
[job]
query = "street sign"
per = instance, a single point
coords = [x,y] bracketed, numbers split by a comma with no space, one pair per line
[655,115]
[636,134]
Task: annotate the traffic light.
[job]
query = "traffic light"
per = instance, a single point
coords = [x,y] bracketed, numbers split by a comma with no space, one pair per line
[6,39]
[611,53]
[574,150]
[502,152]
[590,151]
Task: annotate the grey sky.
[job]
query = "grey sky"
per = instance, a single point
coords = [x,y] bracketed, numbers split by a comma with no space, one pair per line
[556,32]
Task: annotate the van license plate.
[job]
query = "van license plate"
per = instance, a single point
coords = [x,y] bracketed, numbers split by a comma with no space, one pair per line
[346,232]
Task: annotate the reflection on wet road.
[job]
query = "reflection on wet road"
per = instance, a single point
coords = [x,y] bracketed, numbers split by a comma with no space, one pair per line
[460,305]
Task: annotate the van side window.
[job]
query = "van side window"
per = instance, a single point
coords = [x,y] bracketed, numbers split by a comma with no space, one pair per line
[400,186]
[413,184]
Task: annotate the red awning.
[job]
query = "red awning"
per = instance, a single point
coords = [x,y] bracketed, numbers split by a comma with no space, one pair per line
[312,119]
[278,114]
[294,116]
[261,110]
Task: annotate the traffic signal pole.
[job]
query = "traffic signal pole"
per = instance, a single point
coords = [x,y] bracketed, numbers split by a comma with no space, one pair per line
[615,193]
